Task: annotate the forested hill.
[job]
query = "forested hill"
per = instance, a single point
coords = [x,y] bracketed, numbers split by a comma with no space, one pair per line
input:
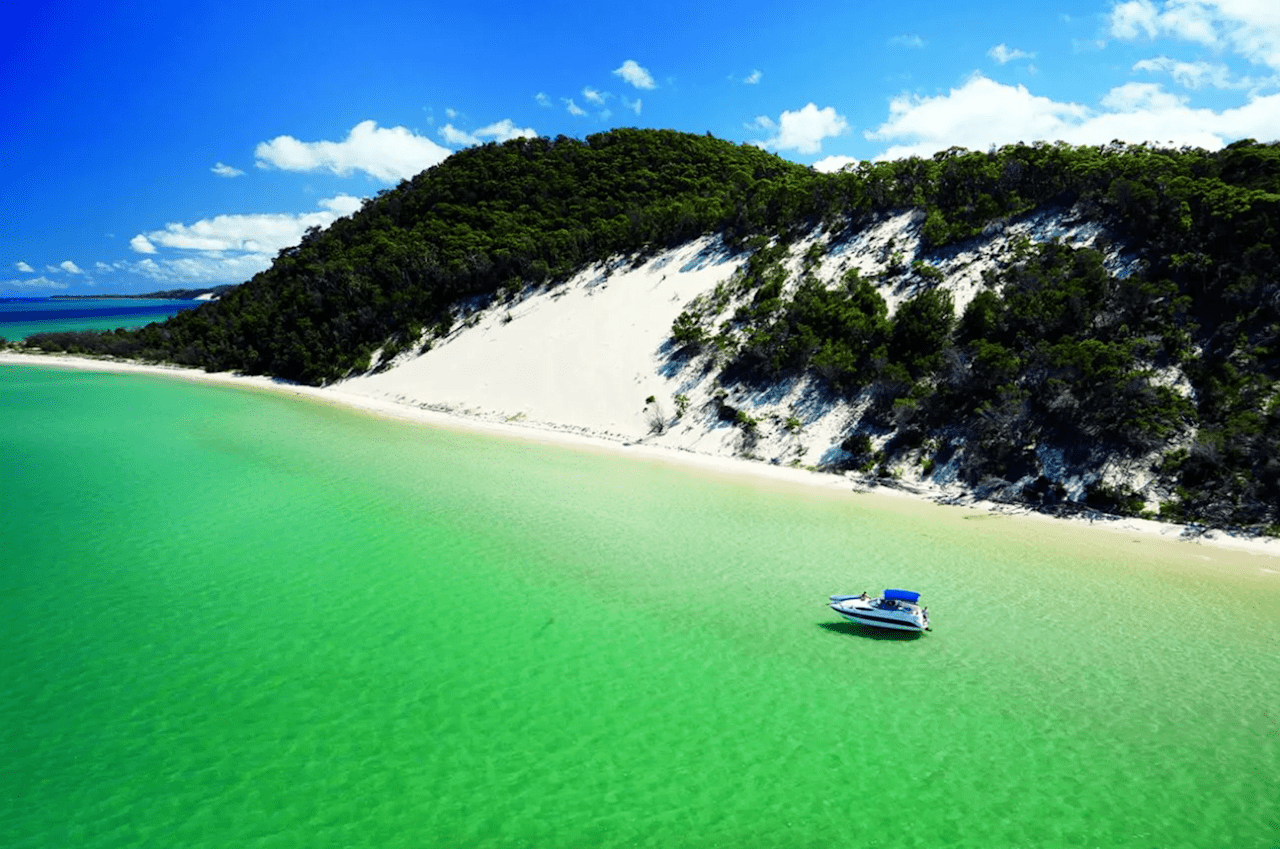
[1170,359]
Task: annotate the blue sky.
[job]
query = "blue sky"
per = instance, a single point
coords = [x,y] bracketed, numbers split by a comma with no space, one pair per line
[151,146]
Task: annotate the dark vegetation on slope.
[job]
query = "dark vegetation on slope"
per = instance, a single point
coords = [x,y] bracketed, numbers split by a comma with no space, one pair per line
[1055,352]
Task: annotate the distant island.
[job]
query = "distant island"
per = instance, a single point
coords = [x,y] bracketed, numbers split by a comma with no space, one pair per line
[206,293]
[1064,327]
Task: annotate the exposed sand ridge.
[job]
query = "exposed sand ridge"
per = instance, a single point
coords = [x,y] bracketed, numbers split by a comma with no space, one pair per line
[591,359]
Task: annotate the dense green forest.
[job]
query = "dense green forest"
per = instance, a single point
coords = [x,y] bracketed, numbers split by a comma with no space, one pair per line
[1054,351]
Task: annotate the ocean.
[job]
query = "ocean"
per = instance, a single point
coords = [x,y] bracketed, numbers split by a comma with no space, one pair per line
[21,317]
[233,617]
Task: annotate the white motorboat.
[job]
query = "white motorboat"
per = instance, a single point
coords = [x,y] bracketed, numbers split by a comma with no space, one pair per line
[896,609]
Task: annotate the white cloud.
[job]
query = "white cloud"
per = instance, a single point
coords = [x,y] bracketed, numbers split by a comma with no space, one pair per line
[202,270]
[1133,19]
[23,267]
[982,113]
[831,164]
[594,96]
[224,170]
[635,75]
[342,205]
[452,135]
[542,100]
[34,283]
[386,154]
[753,77]
[230,248]
[66,266]
[979,113]
[1194,75]
[914,42]
[802,130]
[1248,28]
[499,131]
[506,130]
[1132,97]
[249,233]
[1003,54]
[574,109]
[633,105]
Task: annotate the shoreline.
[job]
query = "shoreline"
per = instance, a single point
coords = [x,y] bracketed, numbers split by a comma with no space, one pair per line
[583,438]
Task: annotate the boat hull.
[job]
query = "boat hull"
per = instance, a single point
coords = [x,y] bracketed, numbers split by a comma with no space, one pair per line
[866,615]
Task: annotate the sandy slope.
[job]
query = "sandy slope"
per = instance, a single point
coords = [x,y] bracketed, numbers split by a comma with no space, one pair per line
[586,356]
[723,463]
[577,363]
[583,355]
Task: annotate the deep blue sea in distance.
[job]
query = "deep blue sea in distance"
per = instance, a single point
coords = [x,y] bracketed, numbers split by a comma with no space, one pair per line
[21,317]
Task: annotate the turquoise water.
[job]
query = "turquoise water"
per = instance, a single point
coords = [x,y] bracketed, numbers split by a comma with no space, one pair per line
[235,618]
[21,317]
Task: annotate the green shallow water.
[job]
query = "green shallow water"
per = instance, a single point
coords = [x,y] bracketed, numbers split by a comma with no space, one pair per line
[234,618]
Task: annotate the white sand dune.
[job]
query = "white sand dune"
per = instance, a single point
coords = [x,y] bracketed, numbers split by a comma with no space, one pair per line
[583,355]
[1263,554]
[586,356]
[578,362]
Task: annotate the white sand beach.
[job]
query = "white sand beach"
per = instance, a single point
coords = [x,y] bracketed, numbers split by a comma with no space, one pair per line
[578,363]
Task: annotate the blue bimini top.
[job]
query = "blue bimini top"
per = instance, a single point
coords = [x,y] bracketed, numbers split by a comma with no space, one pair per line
[902,595]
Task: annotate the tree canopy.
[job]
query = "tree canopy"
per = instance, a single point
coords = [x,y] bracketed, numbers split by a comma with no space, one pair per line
[1055,349]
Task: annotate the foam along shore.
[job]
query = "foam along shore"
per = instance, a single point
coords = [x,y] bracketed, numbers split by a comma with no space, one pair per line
[587,363]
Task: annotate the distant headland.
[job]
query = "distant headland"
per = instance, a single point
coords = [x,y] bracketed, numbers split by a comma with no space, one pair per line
[207,293]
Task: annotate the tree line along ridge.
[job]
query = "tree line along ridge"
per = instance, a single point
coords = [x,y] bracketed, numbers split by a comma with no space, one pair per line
[1056,350]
